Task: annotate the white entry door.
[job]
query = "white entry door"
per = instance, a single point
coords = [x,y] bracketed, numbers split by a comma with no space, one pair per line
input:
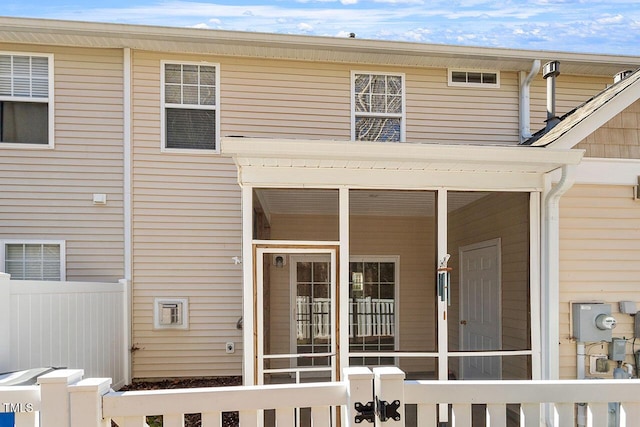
[480,309]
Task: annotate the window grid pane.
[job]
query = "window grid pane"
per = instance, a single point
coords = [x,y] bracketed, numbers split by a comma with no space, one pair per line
[378,107]
[33,261]
[372,310]
[25,76]
[190,116]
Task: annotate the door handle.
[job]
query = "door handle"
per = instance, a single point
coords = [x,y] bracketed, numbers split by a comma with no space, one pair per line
[463,322]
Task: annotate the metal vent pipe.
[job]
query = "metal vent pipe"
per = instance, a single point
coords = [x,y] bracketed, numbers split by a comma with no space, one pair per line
[550,71]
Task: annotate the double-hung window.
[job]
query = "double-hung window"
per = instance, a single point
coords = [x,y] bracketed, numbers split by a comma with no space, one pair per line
[34,260]
[26,99]
[190,111]
[378,107]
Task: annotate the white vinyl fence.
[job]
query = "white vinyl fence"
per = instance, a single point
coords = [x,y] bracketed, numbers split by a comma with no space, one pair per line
[64,324]
[64,400]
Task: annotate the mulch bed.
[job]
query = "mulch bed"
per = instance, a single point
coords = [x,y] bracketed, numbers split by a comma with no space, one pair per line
[229,419]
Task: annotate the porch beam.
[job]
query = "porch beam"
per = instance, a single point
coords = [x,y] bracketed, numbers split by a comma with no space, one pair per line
[412,153]
[286,177]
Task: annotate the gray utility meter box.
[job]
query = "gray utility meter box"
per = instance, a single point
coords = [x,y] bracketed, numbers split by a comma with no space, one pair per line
[592,322]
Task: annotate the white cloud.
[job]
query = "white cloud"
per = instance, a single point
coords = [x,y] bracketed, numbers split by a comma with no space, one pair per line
[577,25]
[616,19]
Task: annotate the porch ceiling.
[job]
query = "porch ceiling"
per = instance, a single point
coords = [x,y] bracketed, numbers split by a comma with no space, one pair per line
[320,163]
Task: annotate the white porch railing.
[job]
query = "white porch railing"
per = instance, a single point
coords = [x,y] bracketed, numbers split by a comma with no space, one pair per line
[63,401]
[64,324]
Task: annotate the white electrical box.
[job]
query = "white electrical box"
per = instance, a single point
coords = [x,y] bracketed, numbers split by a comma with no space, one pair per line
[171,313]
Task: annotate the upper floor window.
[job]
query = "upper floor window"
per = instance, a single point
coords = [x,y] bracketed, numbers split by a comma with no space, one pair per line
[474,78]
[378,107]
[190,106]
[26,99]
[30,260]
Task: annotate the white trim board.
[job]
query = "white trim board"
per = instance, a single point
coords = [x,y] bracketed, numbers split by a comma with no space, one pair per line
[605,171]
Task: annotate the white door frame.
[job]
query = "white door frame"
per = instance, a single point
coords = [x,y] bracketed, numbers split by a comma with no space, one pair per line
[295,248]
[496,243]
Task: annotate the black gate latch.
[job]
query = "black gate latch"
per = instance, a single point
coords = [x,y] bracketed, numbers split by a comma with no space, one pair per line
[365,412]
[383,409]
[386,410]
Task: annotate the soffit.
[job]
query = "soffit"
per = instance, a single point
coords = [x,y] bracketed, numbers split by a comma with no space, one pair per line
[321,163]
[297,47]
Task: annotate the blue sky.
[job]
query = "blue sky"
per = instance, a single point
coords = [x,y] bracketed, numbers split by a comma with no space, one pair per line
[590,26]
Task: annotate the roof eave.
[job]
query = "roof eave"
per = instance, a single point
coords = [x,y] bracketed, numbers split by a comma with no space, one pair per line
[287,46]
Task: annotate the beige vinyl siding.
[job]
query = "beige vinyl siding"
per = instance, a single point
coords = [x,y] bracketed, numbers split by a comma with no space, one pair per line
[48,193]
[295,99]
[618,138]
[571,91]
[504,216]
[287,99]
[186,229]
[599,260]
[438,113]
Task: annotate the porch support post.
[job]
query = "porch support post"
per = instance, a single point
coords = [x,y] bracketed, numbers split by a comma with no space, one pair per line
[248,333]
[551,274]
[534,279]
[343,282]
[443,344]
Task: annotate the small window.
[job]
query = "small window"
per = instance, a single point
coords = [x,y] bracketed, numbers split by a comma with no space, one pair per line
[34,260]
[474,78]
[26,107]
[190,106]
[378,107]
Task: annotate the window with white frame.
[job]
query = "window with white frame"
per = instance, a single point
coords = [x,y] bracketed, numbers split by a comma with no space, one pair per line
[474,78]
[26,104]
[372,308]
[190,106]
[378,107]
[34,260]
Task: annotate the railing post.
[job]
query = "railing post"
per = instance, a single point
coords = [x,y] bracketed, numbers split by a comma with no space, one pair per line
[389,396]
[86,402]
[359,391]
[54,395]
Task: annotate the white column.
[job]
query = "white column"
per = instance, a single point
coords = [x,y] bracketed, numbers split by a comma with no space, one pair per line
[248,367]
[343,280]
[443,342]
[534,278]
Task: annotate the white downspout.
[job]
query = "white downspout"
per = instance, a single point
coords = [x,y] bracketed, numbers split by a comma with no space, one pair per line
[551,278]
[525,100]
[127,211]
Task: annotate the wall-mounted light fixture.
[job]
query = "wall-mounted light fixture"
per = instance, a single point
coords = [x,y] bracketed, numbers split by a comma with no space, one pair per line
[279,261]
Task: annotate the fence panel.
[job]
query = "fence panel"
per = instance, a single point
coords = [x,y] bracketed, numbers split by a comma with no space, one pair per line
[64,324]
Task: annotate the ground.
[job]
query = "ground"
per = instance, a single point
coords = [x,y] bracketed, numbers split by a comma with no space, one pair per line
[229,419]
